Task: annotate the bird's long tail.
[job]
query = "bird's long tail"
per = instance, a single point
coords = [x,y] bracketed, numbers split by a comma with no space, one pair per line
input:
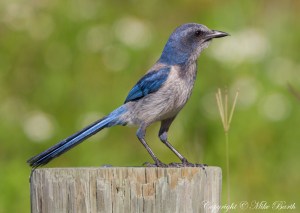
[111,120]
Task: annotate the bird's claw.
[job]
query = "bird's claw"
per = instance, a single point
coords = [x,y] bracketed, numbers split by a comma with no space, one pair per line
[147,164]
[157,164]
[185,163]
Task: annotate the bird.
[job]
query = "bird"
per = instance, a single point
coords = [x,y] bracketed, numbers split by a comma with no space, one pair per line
[157,97]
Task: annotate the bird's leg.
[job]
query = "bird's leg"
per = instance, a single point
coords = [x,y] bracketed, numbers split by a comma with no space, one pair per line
[141,136]
[163,135]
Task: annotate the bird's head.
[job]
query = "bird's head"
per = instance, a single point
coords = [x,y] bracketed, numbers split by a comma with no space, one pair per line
[186,43]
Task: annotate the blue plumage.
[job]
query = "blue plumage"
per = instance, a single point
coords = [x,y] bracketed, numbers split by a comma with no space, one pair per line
[170,82]
[150,83]
[75,139]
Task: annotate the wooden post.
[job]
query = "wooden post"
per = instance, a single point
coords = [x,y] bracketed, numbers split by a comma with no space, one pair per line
[125,189]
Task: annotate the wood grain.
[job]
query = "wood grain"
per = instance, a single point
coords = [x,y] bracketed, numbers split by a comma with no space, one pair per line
[125,189]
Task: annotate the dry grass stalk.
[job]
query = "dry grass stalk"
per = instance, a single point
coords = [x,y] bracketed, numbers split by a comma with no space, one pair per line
[223,110]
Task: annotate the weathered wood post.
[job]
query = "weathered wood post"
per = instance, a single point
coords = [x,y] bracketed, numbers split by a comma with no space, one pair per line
[125,189]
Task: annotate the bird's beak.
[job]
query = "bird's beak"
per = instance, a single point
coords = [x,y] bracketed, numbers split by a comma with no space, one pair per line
[215,34]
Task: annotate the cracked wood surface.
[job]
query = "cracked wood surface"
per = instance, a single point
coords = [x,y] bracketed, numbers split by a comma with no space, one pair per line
[125,189]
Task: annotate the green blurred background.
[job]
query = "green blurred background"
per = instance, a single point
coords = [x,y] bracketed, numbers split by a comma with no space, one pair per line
[64,64]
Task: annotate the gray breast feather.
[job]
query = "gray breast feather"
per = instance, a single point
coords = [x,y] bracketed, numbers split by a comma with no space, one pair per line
[164,103]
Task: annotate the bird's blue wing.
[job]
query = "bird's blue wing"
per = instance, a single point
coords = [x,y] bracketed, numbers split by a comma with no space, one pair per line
[150,83]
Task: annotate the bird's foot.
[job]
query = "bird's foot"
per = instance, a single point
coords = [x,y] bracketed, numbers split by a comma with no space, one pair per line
[158,163]
[185,163]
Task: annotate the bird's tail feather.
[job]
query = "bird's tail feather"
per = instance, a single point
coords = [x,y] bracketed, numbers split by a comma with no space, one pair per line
[111,120]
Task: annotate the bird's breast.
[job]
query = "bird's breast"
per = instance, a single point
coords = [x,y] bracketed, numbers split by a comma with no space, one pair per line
[182,83]
[166,102]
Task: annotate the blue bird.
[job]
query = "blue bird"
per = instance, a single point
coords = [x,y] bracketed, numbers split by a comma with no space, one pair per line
[158,96]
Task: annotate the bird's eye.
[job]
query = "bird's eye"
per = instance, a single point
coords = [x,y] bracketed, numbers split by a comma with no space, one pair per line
[198,33]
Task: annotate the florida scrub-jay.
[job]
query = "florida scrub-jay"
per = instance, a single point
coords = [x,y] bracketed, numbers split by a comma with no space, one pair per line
[158,96]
